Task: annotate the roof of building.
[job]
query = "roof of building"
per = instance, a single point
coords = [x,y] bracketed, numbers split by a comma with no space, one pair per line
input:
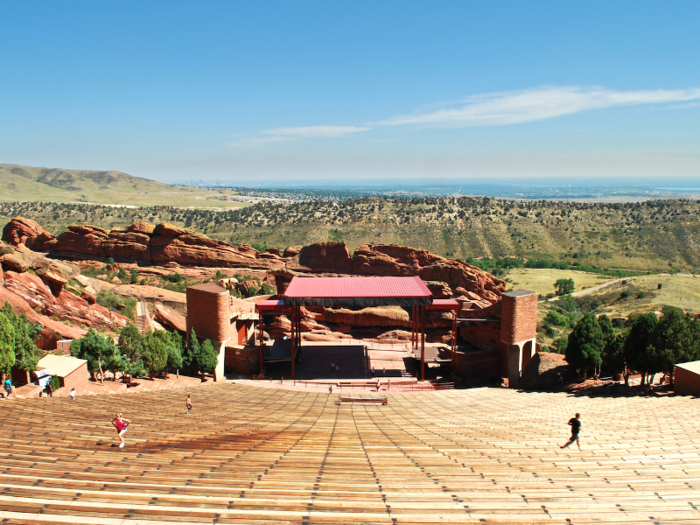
[208,287]
[357,291]
[271,305]
[444,304]
[518,293]
[60,365]
[693,366]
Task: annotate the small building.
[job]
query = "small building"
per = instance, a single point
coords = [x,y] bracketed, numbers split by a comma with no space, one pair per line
[71,371]
[686,379]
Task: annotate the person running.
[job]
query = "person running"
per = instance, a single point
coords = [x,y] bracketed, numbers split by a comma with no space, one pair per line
[72,394]
[575,423]
[121,425]
[188,403]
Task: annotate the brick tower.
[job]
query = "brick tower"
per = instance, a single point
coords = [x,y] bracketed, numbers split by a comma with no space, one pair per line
[519,330]
[209,314]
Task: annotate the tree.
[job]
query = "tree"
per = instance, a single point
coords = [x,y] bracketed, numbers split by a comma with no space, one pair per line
[7,345]
[564,286]
[175,357]
[95,349]
[26,352]
[173,348]
[672,341]
[636,349]
[155,353]
[586,344]
[115,362]
[190,355]
[207,358]
[131,349]
[612,357]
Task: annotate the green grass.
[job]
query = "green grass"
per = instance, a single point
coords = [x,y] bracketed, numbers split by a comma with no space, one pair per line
[24,183]
[542,281]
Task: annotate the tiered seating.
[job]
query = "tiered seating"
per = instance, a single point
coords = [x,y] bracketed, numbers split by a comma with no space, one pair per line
[262,456]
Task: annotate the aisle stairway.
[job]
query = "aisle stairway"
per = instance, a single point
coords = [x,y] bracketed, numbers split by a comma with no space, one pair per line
[263,456]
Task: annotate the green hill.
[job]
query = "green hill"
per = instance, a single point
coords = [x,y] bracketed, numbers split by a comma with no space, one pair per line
[654,235]
[24,183]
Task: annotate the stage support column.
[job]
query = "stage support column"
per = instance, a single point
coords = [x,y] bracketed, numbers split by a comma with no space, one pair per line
[454,337]
[422,344]
[293,338]
[261,329]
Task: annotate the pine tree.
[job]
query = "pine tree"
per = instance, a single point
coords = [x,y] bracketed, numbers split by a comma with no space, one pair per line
[7,345]
[207,358]
[95,349]
[131,349]
[26,352]
[637,347]
[586,344]
[672,340]
[155,353]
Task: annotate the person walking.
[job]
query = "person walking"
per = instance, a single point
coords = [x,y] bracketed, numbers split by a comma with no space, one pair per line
[8,388]
[330,389]
[378,385]
[188,403]
[575,423]
[72,394]
[373,371]
[49,389]
[121,425]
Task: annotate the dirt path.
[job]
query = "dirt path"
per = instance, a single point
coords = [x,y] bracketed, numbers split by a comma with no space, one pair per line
[594,288]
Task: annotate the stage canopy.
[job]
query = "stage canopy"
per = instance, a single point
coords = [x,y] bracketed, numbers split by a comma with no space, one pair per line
[357,292]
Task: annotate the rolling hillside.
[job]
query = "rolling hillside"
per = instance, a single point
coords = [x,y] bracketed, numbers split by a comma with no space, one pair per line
[654,235]
[24,183]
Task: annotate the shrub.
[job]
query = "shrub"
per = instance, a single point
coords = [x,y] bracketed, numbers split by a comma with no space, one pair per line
[55,383]
[116,303]
[175,278]
[557,319]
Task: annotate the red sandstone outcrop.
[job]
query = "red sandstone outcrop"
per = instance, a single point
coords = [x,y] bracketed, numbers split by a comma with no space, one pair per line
[329,256]
[19,229]
[140,243]
[30,295]
[389,316]
[170,318]
[545,371]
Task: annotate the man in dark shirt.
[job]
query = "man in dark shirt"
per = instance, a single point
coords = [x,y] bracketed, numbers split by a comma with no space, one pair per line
[575,423]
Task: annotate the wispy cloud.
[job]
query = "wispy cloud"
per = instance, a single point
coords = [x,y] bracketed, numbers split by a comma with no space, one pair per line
[304,132]
[495,109]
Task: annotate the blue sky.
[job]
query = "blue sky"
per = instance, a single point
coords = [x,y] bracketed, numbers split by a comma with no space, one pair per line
[243,91]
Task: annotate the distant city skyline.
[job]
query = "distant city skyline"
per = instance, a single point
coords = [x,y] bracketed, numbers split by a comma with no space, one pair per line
[370,91]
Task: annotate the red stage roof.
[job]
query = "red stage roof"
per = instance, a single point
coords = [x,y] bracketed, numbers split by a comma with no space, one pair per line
[444,304]
[357,291]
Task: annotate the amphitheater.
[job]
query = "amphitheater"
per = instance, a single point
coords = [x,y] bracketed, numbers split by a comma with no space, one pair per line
[257,455]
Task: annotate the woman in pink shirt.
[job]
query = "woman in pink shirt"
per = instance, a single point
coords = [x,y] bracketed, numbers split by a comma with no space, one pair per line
[121,425]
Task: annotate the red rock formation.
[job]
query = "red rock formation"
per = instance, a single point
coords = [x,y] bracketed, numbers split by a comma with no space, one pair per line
[170,318]
[52,332]
[36,295]
[388,316]
[19,229]
[328,256]
[142,243]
